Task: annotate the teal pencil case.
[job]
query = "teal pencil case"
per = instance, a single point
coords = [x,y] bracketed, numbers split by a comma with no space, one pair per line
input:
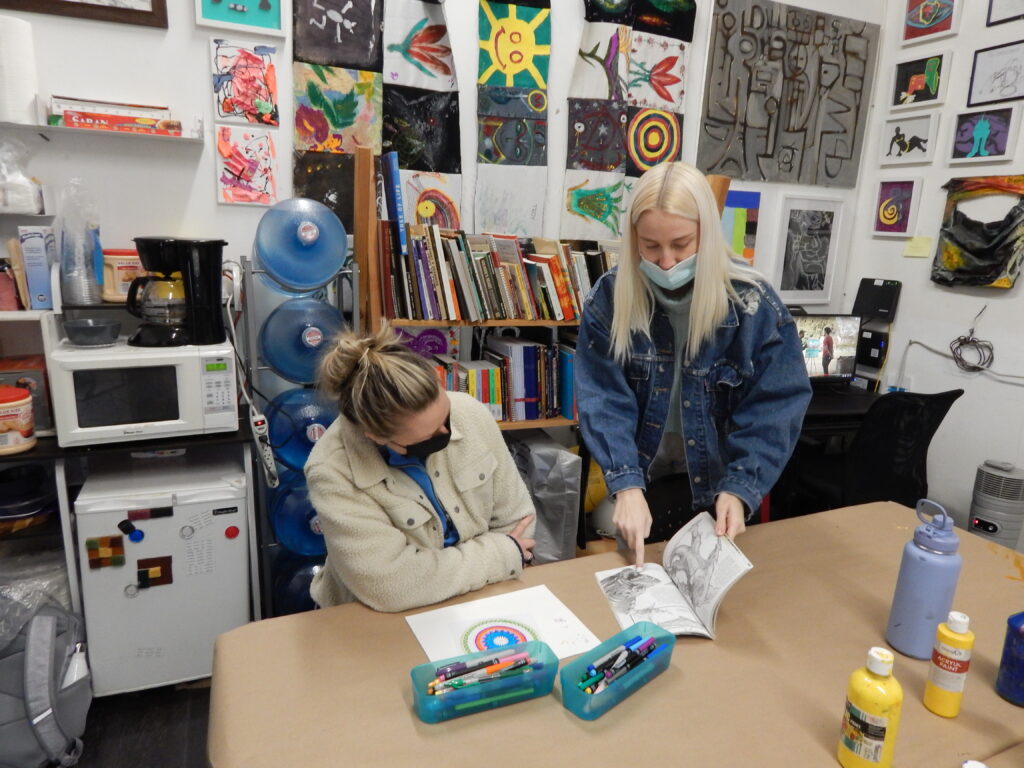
[501,688]
[638,670]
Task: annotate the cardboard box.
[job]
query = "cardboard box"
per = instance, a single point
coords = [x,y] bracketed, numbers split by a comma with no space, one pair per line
[29,372]
[39,250]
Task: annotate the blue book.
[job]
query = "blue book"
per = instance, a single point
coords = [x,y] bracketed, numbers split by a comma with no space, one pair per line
[393,196]
[566,393]
[530,381]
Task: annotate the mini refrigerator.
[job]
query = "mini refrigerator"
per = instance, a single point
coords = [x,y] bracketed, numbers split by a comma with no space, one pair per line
[163,549]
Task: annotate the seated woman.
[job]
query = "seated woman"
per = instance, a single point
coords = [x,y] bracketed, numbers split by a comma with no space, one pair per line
[417,495]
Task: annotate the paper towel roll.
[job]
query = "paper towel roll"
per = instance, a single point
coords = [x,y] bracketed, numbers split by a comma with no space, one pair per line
[18,84]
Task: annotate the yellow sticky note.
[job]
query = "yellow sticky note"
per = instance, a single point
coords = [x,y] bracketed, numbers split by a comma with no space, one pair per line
[918,248]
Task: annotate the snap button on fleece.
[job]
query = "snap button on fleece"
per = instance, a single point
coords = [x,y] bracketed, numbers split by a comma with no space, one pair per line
[410,521]
[481,476]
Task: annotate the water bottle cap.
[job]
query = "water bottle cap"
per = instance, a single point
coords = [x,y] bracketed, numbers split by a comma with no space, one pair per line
[937,532]
[880,661]
[958,622]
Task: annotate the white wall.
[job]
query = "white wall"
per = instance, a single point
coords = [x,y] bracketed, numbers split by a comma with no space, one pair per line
[146,188]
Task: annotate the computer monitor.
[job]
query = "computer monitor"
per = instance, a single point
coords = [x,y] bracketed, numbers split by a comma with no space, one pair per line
[829,345]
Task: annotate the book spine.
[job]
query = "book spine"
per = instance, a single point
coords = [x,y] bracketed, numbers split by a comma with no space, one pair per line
[393,196]
[384,266]
[567,396]
[564,288]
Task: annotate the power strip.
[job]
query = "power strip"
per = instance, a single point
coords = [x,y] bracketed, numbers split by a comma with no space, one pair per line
[261,437]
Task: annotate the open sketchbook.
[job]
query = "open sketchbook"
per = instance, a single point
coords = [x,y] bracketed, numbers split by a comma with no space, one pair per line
[684,593]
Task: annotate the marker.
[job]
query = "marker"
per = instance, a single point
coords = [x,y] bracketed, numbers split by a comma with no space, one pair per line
[634,663]
[494,698]
[497,671]
[588,682]
[613,653]
[461,667]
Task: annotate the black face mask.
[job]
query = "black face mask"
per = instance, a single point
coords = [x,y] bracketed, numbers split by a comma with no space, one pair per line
[438,442]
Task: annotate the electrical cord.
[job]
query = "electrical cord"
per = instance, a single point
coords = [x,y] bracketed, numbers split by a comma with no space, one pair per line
[982,352]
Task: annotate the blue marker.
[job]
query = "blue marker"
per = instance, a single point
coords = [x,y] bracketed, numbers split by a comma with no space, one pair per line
[613,654]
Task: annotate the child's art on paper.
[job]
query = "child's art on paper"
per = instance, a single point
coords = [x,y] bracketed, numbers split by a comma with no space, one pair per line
[244,81]
[336,110]
[246,166]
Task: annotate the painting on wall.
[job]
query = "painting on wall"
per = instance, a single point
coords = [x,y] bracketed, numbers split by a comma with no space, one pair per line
[896,208]
[602,66]
[770,111]
[997,75]
[515,45]
[926,20]
[263,16]
[657,71]
[653,136]
[920,82]
[908,139]
[985,136]
[336,110]
[423,127]
[328,178]
[417,49]
[338,34]
[1002,11]
[593,205]
[244,81]
[739,222]
[246,166]
[499,205]
[146,13]
[809,247]
[432,198]
[597,135]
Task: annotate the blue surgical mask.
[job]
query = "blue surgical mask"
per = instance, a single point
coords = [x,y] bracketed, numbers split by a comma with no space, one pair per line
[677,276]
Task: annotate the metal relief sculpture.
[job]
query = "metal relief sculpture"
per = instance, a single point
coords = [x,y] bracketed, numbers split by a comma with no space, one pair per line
[787,94]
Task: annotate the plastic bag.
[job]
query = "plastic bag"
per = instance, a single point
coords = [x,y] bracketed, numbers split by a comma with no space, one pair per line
[19,193]
[552,474]
[81,254]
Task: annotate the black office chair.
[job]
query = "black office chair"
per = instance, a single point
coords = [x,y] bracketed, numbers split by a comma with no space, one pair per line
[886,461]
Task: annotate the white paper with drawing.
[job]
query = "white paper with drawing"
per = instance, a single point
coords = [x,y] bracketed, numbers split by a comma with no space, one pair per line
[684,595]
[533,613]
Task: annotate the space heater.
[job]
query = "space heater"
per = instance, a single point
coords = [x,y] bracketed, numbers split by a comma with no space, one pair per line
[997,506]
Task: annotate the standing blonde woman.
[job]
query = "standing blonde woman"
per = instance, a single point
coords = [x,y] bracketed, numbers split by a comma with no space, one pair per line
[417,496]
[689,373]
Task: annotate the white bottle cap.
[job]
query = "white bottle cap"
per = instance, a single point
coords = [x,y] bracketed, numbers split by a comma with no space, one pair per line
[973,764]
[958,622]
[880,661]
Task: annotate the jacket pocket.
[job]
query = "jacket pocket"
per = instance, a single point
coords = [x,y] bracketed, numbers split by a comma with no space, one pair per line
[475,484]
[408,516]
[724,385]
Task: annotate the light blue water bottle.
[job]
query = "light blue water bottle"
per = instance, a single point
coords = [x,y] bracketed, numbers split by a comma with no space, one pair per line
[926,583]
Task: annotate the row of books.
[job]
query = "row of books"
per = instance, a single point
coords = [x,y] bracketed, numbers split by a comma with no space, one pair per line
[439,274]
[517,379]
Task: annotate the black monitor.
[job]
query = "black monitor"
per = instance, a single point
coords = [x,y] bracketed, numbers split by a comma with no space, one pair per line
[821,334]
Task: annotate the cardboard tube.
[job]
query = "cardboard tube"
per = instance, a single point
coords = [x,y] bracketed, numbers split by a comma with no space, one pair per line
[720,186]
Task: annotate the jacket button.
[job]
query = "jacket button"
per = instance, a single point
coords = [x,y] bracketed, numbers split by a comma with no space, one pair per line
[481,476]
[456,510]
[421,497]
[686,403]
[691,442]
[410,521]
[696,479]
[511,573]
[436,473]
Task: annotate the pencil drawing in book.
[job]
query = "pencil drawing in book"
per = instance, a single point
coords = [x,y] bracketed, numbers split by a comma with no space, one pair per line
[683,594]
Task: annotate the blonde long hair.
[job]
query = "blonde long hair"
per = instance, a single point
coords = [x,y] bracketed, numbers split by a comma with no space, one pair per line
[376,380]
[679,189]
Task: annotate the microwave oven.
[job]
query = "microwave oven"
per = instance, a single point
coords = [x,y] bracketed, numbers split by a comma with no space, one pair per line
[120,392]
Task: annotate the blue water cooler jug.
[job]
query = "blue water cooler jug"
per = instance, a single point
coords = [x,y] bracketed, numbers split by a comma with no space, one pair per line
[926,583]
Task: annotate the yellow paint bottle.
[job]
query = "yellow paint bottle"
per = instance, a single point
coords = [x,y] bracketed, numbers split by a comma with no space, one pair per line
[874,699]
[951,659]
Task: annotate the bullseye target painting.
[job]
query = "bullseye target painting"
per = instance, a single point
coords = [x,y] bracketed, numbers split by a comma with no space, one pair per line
[653,136]
[493,623]
[896,208]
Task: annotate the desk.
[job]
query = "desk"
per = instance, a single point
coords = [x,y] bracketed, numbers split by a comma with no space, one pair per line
[332,686]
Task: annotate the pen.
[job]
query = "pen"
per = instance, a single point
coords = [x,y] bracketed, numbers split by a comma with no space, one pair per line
[634,663]
[459,683]
[461,667]
[488,673]
[613,653]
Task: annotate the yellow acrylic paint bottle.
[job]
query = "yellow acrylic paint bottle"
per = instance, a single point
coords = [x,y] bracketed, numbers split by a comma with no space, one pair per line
[873,702]
[947,672]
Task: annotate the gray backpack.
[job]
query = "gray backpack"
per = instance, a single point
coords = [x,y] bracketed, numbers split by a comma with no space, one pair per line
[40,720]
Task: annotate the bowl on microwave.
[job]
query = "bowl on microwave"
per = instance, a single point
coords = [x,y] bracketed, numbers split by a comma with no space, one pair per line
[92,331]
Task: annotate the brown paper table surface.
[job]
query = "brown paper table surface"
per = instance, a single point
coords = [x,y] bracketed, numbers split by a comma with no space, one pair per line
[332,687]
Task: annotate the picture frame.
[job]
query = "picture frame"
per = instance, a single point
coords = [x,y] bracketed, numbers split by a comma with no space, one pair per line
[97,10]
[1003,11]
[921,81]
[985,135]
[265,17]
[809,242]
[989,82]
[919,132]
[927,20]
[896,204]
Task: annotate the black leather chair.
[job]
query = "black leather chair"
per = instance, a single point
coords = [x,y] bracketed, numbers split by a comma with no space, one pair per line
[887,459]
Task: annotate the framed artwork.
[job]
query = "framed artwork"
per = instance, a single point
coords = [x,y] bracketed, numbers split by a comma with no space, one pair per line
[809,248]
[997,74]
[253,16]
[1002,11]
[921,82]
[246,165]
[926,20]
[985,135]
[146,13]
[908,139]
[244,81]
[896,207]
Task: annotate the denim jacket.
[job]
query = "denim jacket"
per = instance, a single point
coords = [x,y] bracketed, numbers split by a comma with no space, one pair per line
[743,396]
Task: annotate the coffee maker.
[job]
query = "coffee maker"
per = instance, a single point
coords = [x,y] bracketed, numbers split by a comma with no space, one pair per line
[180,300]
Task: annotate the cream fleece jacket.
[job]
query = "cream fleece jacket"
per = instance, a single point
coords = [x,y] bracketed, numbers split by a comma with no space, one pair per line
[384,540]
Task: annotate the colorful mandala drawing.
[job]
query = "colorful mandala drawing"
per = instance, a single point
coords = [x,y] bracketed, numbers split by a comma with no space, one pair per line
[495,634]
[600,204]
[514,47]
[653,136]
